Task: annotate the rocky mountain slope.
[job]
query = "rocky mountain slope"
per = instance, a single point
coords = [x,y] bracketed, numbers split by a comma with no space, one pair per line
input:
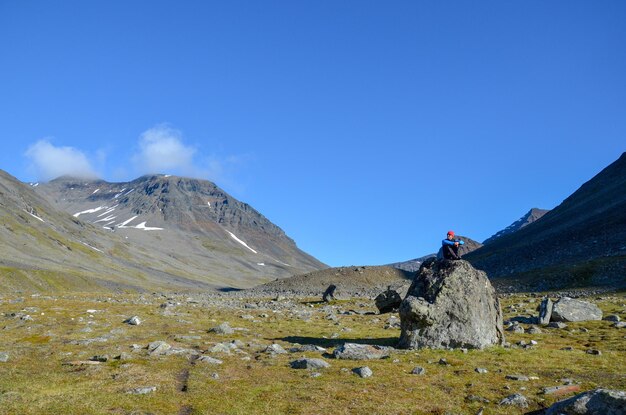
[350,281]
[157,232]
[579,243]
[531,216]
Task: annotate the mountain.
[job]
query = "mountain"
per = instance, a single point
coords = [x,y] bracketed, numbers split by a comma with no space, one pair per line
[580,243]
[532,215]
[413,265]
[156,232]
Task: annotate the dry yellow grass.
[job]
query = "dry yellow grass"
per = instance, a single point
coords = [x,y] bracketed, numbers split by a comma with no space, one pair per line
[35,381]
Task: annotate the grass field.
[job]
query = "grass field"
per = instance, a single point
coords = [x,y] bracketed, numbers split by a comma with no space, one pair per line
[37,378]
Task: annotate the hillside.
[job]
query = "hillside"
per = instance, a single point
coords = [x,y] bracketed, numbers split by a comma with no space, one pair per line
[531,216]
[155,233]
[350,281]
[580,243]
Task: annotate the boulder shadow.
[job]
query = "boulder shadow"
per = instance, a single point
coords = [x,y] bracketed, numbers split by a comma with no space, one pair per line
[326,343]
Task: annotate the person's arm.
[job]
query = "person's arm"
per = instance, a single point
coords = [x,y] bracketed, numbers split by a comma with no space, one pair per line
[447,242]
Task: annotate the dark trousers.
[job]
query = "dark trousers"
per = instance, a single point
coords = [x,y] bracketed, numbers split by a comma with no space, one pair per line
[451,252]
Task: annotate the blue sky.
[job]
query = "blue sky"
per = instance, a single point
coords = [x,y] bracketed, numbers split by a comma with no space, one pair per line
[364,129]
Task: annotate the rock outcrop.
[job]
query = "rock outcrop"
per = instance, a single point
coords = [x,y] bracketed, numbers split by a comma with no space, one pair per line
[450,305]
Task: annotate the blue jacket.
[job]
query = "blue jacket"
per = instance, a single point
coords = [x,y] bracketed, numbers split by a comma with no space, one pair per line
[449,242]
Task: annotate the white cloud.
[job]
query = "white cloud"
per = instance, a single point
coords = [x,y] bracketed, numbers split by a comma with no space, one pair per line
[161,150]
[50,162]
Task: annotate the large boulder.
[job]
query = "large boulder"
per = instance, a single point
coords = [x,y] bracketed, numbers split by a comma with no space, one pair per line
[595,402]
[388,301]
[450,305]
[567,309]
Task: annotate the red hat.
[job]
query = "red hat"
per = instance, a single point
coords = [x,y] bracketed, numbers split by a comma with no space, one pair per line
[451,233]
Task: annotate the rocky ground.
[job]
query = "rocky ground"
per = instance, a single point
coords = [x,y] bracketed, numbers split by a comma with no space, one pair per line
[239,353]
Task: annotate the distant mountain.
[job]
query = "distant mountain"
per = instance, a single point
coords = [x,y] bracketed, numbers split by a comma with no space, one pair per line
[527,219]
[580,243]
[413,265]
[156,232]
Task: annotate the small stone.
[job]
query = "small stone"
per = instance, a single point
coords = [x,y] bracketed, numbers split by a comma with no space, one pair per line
[4,357]
[443,362]
[567,348]
[516,328]
[353,351]
[275,349]
[215,376]
[309,364]
[142,391]
[515,400]
[209,360]
[418,370]
[133,321]
[612,317]
[595,352]
[100,358]
[557,325]
[534,342]
[533,330]
[158,347]
[124,356]
[561,390]
[364,372]
[620,324]
[517,377]
[223,328]
[481,370]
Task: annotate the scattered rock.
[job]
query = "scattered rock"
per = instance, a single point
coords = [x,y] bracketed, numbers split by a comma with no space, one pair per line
[275,349]
[158,347]
[223,328]
[594,352]
[4,357]
[517,377]
[515,400]
[620,324]
[313,364]
[612,317]
[100,358]
[454,295]
[481,370]
[545,311]
[418,370]
[598,401]
[209,360]
[307,348]
[143,390]
[354,351]
[516,328]
[561,390]
[533,330]
[364,372]
[557,325]
[569,310]
[133,321]
[443,362]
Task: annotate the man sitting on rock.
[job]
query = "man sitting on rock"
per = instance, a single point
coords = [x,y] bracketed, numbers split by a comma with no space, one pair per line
[450,247]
